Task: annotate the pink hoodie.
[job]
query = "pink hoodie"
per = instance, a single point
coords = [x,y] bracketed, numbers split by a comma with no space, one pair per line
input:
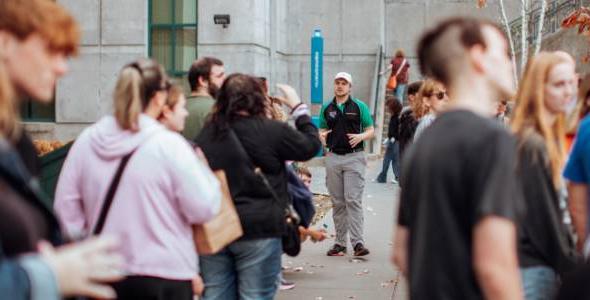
[163,190]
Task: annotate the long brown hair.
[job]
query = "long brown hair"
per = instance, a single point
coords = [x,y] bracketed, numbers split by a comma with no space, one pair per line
[530,107]
[240,95]
[426,90]
[138,82]
[9,118]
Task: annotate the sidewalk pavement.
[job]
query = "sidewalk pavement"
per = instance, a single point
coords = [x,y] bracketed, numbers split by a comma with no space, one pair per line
[319,277]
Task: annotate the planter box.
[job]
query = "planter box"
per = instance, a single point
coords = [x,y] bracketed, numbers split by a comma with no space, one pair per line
[51,164]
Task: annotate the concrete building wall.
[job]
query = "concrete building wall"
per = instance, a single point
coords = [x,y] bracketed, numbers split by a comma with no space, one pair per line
[352,34]
[268,38]
[405,20]
[570,41]
[113,34]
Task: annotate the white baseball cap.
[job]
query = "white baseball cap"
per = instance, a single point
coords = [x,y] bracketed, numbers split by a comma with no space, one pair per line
[345,76]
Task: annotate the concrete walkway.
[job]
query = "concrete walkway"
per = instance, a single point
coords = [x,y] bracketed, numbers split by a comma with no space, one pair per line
[319,277]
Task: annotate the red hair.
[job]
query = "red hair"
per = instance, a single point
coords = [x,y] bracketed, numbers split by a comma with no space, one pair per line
[44,17]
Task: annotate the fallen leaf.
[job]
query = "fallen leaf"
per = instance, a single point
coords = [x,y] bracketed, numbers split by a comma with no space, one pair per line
[387,283]
[364,272]
[317,266]
[356,260]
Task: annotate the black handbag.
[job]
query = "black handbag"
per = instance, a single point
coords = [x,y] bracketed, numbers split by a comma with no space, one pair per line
[291,239]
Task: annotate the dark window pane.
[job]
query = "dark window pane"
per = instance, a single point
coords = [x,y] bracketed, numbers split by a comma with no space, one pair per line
[185,48]
[162,47]
[185,12]
[35,111]
[161,11]
[43,112]
[24,110]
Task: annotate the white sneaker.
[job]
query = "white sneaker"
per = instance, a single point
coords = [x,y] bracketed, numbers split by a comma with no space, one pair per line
[394,181]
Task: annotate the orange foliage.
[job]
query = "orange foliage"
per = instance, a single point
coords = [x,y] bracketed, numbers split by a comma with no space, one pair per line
[43,146]
[579,18]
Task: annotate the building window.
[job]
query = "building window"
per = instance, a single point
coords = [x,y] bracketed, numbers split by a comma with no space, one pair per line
[34,111]
[173,34]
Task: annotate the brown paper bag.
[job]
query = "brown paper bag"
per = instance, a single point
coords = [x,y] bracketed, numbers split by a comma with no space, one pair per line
[223,229]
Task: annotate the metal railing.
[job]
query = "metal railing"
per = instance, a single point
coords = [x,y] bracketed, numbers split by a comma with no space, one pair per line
[557,10]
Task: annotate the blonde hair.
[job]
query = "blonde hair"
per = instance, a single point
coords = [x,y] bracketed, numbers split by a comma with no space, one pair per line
[174,93]
[128,99]
[530,107]
[400,53]
[138,82]
[9,118]
[426,90]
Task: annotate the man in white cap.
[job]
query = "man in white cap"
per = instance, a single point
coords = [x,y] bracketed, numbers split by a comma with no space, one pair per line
[345,123]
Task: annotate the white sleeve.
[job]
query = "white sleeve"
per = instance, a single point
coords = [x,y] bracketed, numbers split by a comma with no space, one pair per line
[424,123]
[68,195]
[195,186]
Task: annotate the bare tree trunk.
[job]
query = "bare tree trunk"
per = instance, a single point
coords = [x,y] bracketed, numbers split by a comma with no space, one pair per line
[524,51]
[539,38]
[510,41]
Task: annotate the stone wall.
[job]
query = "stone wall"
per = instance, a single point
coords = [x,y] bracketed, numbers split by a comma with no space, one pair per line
[268,38]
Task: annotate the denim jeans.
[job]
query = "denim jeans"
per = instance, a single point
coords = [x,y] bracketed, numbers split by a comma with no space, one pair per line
[400,90]
[391,157]
[244,270]
[539,282]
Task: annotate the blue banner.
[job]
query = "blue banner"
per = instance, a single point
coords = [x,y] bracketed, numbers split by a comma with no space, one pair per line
[317,77]
[317,67]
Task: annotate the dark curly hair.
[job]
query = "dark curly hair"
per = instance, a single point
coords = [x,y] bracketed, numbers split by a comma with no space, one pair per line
[240,96]
[393,106]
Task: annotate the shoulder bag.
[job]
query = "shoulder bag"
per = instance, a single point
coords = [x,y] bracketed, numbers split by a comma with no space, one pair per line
[392,82]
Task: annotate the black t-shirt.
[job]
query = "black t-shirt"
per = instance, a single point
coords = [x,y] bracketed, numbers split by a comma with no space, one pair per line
[407,128]
[460,170]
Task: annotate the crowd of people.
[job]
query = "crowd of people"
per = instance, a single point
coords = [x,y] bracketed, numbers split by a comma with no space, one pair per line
[493,180]
[496,191]
[136,182]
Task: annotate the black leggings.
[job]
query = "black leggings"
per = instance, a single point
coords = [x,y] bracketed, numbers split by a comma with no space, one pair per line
[153,288]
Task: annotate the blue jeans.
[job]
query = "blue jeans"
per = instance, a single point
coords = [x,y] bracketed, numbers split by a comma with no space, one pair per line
[400,90]
[244,270]
[539,282]
[391,157]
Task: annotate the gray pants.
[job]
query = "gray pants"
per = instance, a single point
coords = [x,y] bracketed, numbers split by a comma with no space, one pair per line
[345,178]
